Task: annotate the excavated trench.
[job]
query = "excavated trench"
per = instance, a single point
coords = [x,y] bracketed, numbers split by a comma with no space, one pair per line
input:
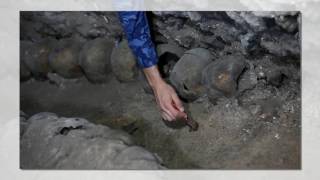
[245,94]
[123,113]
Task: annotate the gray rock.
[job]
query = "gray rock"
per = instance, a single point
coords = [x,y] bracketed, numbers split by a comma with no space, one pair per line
[248,20]
[211,30]
[64,58]
[288,23]
[52,142]
[274,76]
[186,74]
[272,72]
[64,24]
[273,14]
[29,30]
[248,80]
[281,44]
[136,157]
[123,63]
[95,59]
[220,77]
[250,42]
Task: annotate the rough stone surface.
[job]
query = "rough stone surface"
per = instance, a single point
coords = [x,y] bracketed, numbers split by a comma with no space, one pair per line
[52,142]
[186,74]
[281,45]
[275,76]
[222,30]
[95,59]
[88,25]
[123,63]
[65,57]
[35,56]
[220,77]
[248,80]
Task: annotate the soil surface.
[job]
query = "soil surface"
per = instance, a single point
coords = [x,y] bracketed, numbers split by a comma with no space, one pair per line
[261,129]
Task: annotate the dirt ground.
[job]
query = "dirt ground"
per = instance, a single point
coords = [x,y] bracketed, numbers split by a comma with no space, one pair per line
[259,130]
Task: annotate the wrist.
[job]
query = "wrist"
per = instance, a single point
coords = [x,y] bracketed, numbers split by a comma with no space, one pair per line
[153,77]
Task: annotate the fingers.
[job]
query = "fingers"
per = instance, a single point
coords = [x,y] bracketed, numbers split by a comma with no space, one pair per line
[168,110]
[168,113]
[173,111]
[177,102]
[169,102]
[182,115]
[166,117]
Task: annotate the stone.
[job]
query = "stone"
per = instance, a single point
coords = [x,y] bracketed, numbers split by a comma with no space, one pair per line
[95,59]
[123,63]
[274,76]
[248,20]
[288,23]
[281,45]
[136,157]
[249,41]
[196,29]
[52,142]
[186,74]
[220,77]
[29,29]
[248,80]
[35,56]
[64,58]
[64,24]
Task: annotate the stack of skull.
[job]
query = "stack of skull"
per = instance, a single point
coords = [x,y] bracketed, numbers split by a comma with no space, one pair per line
[73,58]
[193,73]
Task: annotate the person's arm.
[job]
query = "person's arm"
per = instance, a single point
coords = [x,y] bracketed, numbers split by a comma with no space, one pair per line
[166,97]
[137,31]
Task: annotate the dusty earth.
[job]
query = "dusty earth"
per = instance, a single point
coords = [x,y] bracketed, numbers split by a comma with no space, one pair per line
[259,130]
[238,70]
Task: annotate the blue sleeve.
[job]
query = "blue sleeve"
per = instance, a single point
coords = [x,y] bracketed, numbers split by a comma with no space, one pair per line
[135,25]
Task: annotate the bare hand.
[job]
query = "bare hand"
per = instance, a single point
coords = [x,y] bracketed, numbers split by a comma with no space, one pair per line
[166,97]
[169,102]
